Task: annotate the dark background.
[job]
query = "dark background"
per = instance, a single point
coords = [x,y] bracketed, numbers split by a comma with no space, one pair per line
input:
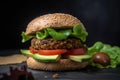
[100,17]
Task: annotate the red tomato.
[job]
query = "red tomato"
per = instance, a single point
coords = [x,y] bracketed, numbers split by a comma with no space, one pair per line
[79,51]
[52,52]
[32,50]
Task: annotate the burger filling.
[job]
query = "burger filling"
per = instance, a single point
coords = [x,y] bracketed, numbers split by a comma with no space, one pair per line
[58,42]
[50,44]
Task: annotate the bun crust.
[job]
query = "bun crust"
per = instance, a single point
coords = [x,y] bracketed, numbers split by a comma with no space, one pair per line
[61,65]
[56,20]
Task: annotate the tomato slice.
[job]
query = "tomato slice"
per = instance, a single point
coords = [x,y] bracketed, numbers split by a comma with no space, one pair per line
[52,52]
[32,50]
[79,51]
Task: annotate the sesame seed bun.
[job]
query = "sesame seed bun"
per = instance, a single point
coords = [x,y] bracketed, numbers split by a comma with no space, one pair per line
[56,20]
[61,65]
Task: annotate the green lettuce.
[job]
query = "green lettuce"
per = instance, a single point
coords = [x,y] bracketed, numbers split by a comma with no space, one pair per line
[61,35]
[77,31]
[42,35]
[25,37]
[112,51]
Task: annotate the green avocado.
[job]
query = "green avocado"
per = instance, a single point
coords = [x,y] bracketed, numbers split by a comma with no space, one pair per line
[26,52]
[43,58]
[79,58]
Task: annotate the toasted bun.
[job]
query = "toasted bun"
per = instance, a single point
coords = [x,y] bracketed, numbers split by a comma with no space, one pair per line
[61,65]
[56,20]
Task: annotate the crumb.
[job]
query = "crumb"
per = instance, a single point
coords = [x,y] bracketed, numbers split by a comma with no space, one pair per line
[56,75]
[45,76]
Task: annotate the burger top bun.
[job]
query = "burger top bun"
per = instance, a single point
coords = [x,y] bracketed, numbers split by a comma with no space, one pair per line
[55,20]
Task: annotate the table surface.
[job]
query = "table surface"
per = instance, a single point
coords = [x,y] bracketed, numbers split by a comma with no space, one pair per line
[88,73]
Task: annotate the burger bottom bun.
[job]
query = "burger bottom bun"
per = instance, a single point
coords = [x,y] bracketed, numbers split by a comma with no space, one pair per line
[61,65]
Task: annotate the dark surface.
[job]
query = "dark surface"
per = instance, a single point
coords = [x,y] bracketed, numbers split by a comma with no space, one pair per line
[88,73]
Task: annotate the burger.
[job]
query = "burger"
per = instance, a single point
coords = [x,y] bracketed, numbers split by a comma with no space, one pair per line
[57,43]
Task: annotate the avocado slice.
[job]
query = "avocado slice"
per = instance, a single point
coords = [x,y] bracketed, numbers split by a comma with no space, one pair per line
[79,58]
[43,58]
[26,52]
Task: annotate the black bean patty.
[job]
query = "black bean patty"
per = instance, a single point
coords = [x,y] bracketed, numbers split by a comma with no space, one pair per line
[50,43]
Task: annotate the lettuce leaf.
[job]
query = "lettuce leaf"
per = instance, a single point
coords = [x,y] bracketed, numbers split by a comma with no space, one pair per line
[78,32]
[26,37]
[112,51]
[60,34]
[42,35]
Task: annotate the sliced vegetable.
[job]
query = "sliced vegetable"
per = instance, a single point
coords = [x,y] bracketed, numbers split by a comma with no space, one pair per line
[52,52]
[26,52]
[79,58]
[79,51]
[43,58]
[32,50]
